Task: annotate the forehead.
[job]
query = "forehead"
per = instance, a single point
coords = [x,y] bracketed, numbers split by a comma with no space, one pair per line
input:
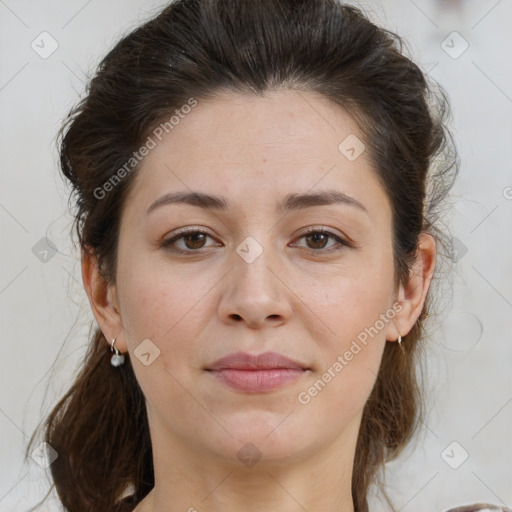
[251,149]
[279,125]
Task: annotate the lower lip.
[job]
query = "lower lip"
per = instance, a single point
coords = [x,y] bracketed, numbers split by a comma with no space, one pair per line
[254,381]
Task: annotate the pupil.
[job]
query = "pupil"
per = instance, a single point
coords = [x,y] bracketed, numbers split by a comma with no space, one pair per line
[315,235]
[194,238]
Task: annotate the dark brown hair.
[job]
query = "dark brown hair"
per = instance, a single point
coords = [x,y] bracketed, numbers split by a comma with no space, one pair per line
[195,49]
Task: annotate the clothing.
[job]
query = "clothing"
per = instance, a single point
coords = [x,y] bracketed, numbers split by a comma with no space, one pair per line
[480,507]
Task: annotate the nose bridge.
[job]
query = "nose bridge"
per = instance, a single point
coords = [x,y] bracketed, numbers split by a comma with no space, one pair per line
[254,257]
[255,292]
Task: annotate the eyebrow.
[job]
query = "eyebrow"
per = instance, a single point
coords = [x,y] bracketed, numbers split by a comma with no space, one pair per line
[289,203]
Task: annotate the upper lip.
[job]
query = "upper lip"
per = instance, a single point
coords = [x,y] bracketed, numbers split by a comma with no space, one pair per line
[264,361]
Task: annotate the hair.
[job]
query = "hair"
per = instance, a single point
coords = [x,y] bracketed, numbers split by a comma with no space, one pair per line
[197,49]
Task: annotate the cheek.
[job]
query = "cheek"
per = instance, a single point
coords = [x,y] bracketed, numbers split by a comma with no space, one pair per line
[169,308]
[351,304]
[357,311]
[171,317]
[336,398]
[350,363]
[155,298]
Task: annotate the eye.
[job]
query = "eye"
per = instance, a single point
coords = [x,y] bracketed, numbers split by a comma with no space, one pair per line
[193,239]
[318,238]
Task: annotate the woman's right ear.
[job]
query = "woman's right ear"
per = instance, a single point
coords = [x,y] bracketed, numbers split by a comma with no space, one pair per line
[103,299]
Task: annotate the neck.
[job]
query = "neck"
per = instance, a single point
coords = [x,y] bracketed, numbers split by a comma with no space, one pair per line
[317,481]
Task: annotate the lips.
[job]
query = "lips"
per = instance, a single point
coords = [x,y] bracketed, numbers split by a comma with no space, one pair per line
[264,361]
[248,373]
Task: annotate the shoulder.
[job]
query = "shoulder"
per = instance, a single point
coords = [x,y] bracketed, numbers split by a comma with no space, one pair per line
[480,507]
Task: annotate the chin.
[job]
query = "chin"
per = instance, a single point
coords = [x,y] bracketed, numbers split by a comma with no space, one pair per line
[271,436]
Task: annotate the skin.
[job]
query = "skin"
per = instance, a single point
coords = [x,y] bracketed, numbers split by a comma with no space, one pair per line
[307,305]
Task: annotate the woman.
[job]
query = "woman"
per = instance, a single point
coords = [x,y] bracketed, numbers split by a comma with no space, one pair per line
[257,185]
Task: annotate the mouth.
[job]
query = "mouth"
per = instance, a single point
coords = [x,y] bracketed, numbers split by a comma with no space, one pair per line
[264,361]
[257,373]
[257,381]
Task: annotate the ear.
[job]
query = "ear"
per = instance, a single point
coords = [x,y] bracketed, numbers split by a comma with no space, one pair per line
[103,300]
[412,295]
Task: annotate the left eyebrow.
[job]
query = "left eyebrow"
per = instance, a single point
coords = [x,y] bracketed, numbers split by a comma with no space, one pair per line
[289,203]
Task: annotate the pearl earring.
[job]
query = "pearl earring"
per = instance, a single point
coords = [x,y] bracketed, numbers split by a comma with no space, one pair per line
[400,343]
[117,359]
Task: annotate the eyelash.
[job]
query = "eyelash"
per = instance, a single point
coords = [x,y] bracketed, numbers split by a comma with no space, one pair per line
[166,244]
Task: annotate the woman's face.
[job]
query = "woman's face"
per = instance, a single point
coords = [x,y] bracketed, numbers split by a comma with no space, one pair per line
[255,281]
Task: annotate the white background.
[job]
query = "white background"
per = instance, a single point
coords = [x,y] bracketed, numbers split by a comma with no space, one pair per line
[44,314]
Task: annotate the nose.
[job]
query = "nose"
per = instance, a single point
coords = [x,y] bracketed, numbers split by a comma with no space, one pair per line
[255,291]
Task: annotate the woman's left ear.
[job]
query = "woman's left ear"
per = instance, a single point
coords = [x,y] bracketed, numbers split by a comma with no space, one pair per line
[412,296]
